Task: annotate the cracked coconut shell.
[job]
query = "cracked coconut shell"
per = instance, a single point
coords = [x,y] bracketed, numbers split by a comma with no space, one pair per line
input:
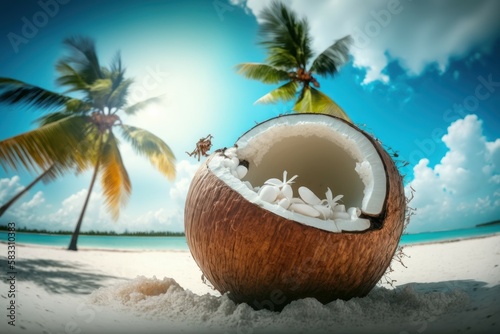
[267,260]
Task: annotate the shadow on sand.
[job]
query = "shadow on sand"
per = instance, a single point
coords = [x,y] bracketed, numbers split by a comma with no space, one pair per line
[468,286]
[478,313]
[58,276]
[479,294]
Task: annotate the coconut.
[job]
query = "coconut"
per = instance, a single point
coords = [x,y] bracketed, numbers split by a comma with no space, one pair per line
[278,229]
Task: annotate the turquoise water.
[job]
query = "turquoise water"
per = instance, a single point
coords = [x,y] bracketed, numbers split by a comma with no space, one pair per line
[93,241]
[449,235]
[179,243]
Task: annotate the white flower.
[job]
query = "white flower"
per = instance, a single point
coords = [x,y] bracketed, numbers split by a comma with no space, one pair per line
[284,186]
[279,183]
[330,201]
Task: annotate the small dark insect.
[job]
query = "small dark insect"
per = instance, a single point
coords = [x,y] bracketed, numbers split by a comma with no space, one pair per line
[202,147]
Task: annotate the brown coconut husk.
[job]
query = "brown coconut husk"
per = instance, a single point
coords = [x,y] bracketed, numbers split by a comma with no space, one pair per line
[265,260]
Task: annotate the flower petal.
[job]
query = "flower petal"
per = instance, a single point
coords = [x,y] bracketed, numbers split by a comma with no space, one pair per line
[338,197]
[274,182]
[329,195]
[291,180]
[308,196]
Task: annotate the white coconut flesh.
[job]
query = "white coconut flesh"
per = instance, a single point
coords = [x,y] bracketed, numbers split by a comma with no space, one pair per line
[312,169]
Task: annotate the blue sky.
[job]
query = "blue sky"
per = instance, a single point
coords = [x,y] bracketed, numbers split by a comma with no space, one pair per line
[423,78]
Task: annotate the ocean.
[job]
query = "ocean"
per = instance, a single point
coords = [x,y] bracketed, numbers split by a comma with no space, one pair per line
[179,243]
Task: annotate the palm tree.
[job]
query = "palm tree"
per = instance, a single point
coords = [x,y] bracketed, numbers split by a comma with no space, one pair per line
[102,94]
[288,44]
[52,148]
[47,175]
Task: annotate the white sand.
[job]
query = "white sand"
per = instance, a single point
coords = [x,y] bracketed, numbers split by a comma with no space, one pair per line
[447,288]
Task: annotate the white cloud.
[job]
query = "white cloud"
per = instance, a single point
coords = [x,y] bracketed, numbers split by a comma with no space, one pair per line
[418,34]
[179,190]
[97,217]
[462,190]
[63,216]
[34,202]
[185,173]
[22,210]
[159,220]
[9,188]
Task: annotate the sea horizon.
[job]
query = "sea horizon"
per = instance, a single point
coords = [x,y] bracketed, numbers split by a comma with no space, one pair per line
[126,242]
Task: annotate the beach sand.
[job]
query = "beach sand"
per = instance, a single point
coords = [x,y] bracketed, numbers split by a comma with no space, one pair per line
[450,287]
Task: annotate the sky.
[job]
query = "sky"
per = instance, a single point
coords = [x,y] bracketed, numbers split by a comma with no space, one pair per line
[423,77]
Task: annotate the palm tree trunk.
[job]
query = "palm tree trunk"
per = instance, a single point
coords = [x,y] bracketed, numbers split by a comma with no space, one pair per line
[7,205]
[76,232]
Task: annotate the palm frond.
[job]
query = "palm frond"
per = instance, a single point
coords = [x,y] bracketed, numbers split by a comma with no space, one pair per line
[138,106]
[14,91]
[52,117]
[99,92]
[118,97]
[83,58]
[77,106]
[152,147]
[285,36]
[282,57]
[114,177]
[312,100]
[283,93]
[88,152]
[54,172]
[70,78]
[101,87]
[330,60]
[262,72]
[56,142]
[117,70]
